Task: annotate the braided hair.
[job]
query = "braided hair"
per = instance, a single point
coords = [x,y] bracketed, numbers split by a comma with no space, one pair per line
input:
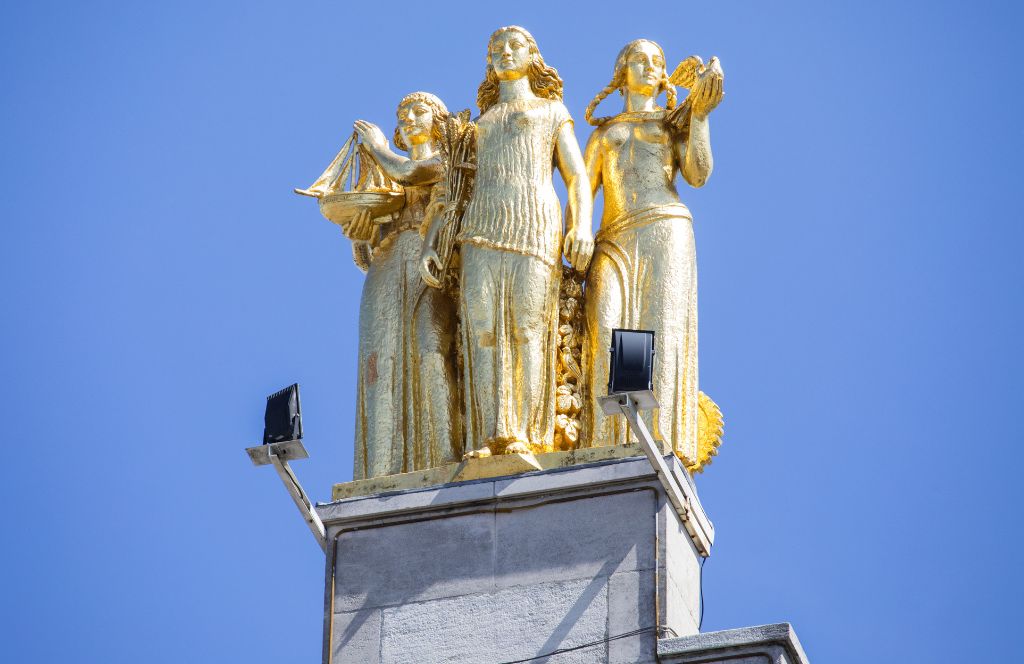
[618,82]
[436,106]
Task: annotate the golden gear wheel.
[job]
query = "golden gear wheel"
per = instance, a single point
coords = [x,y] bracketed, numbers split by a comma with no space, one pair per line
[710,427]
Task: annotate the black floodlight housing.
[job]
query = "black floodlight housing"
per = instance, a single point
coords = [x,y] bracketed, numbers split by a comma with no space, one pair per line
[283,418]
[632,363]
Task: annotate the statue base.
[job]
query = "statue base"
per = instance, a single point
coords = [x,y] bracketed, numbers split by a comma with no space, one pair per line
[481,468]
[591,557]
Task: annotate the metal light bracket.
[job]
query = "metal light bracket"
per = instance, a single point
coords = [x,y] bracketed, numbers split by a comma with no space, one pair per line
[279,454]
[681,495]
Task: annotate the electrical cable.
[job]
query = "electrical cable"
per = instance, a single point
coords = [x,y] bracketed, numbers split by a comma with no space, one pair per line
[700,623]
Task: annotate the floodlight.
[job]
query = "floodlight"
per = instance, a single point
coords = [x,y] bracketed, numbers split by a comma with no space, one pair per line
[631,371]
[632,363]
[630,383]
[282,441]
[283,418]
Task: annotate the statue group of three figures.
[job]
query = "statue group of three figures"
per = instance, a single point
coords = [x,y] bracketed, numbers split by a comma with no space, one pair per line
[474,337]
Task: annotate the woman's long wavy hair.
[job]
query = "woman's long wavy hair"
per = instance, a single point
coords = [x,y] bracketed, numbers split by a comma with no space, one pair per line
[618,82]
[436,106]
[544,80]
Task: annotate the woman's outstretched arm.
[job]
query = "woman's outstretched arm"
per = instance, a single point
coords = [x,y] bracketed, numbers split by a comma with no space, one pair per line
[401,169]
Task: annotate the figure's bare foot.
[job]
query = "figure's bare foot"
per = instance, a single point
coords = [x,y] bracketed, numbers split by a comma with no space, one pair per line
[481,453]
[517,447]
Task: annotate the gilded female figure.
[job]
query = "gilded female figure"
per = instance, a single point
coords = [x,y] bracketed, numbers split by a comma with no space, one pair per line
[644,272]
[511,246]
[406,416]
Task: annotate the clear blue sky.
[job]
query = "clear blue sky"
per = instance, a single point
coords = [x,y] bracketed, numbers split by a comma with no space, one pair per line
[860,309]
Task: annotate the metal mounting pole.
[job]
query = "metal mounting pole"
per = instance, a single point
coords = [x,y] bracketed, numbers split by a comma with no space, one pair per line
[628,404]
[278,455]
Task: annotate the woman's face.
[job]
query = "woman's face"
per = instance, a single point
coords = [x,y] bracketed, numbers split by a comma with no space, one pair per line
[645,69]
[415,122]
[510,55]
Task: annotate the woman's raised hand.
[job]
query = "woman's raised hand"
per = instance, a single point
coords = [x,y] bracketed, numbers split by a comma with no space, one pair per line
[708,91]
[371,135]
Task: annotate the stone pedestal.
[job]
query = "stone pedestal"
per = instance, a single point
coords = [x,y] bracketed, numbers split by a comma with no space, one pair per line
[504,569]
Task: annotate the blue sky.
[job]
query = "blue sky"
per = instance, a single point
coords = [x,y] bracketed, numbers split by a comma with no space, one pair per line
[860,309]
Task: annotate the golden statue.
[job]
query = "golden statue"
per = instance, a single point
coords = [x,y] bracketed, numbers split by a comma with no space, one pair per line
[474,336]
[511,242]
[407,415]
[644,273]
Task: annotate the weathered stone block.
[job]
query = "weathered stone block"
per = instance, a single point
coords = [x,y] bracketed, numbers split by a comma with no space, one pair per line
[403,502]
[411,562]
[682,579]
[357,635]
[630,607]
[582,538]
[496,627]
[494,570]
[681,609]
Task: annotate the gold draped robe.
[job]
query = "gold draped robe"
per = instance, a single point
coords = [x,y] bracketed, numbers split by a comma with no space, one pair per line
[510,272]
[644,276]
[407,416]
